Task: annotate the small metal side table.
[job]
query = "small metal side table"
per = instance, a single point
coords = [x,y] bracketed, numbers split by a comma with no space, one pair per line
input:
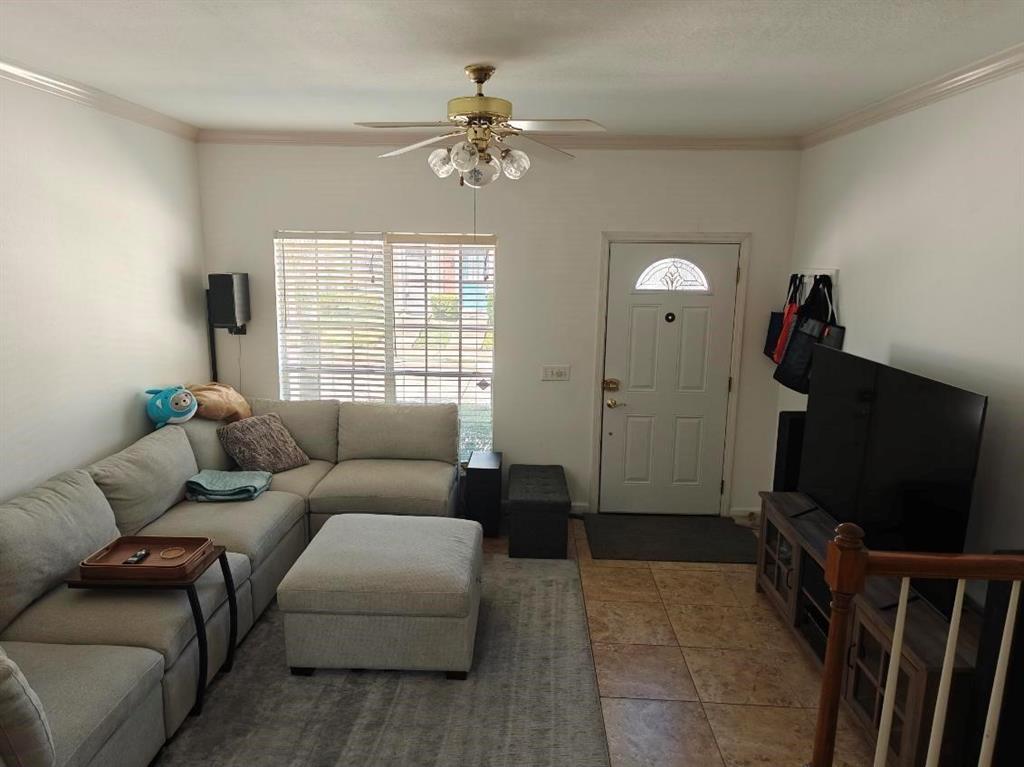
[188,585]
[483,491]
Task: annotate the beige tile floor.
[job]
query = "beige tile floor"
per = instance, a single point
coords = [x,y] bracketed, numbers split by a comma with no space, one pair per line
[696,670]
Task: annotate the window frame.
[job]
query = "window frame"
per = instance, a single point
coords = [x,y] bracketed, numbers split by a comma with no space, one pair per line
[434,246]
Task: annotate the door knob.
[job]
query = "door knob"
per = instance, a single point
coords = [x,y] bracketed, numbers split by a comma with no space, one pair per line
[613,403]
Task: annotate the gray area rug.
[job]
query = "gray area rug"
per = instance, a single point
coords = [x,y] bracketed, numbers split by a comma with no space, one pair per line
[664,538]
[531,699]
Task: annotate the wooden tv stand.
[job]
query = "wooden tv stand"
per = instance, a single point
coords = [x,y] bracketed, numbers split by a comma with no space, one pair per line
[790,572]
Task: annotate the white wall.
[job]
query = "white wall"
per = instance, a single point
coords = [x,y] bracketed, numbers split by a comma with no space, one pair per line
[549,229]
[100,280]
[924,216]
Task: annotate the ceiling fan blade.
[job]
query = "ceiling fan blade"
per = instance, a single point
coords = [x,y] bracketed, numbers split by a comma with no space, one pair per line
[418,144]
[440,124]
[526,137]
[557,126]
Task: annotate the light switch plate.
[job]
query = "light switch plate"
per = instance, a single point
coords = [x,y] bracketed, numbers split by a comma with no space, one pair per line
[554,373]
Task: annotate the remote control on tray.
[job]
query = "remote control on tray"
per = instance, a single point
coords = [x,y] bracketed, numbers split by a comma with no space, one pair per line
[137,557]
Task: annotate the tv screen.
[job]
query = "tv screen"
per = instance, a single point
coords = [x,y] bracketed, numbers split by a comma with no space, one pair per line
[893,452]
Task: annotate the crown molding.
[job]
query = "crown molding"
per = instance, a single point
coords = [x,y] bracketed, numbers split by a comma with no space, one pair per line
[980,72]
[613,141]
[558,140]
[97,99]
[311,138]
[984,71]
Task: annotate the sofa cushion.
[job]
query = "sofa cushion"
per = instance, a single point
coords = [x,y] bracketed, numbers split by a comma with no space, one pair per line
[45,533]
[25,736]
[145,479]
[209,452]
[158,620]
[378,564]
[411,432]
[386,487]
[262,443]
[313,423]
[252,528]
[302,480]
[86,707]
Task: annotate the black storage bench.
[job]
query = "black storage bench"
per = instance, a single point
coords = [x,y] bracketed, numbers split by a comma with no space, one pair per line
[538,501]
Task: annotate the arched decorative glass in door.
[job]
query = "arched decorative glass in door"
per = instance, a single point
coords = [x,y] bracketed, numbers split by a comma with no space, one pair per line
[673,274]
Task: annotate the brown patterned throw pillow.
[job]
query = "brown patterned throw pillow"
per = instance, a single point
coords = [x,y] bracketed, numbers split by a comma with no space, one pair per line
[261,443]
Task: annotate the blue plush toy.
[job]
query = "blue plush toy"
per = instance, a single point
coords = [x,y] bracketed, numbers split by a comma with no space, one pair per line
[175,404]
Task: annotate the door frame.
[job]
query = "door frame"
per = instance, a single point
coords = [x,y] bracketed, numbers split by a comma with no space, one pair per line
[740,239]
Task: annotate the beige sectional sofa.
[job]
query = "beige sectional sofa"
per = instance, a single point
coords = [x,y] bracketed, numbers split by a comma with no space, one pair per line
[364,458]
[116,672]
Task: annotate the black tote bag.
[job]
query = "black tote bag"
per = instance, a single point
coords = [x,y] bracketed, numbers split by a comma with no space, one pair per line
[775,321]
[834,333]
[794,370]
[816,324]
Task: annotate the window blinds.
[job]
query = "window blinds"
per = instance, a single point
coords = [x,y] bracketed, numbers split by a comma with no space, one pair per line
[389,318]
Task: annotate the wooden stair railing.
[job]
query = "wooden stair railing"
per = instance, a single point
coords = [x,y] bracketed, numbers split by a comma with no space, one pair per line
[847,566]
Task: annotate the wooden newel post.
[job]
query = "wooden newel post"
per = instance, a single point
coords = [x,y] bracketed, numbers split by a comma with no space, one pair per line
[845,571]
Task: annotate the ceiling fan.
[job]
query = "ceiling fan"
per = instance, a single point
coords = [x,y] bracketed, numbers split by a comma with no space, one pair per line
[486,124]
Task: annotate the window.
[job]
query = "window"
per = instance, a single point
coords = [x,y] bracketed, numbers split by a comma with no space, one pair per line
[673,274]
[391,318]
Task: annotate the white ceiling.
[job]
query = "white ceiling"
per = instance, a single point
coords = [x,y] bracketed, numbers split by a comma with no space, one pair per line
[726,68]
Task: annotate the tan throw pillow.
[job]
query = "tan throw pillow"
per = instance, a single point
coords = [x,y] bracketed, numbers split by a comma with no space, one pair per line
[25,737]
[219,402]
[261,443]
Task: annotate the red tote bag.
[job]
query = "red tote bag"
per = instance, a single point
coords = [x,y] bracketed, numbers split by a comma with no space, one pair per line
[788,320]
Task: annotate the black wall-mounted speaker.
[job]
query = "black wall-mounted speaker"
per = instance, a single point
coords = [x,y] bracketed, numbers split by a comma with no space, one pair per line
[228,300]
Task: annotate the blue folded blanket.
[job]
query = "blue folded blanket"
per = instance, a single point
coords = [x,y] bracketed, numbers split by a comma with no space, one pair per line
[209,485]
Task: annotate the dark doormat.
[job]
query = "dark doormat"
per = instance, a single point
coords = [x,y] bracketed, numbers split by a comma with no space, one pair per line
[669,538]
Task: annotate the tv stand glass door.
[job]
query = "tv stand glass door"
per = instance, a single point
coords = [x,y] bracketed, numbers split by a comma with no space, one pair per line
[778,566]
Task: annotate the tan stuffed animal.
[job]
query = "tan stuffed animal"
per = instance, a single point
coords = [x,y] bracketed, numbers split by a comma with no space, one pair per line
[219,402]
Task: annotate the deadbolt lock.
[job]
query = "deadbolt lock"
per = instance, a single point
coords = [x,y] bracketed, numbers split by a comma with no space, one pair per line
[610,384]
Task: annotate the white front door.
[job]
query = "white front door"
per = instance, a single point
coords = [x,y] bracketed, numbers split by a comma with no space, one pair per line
[668,347]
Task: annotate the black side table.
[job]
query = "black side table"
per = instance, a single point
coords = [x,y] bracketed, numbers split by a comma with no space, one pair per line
[483,491]
[188,585]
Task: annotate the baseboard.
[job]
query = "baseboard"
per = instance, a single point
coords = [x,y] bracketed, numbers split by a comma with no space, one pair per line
[749,517]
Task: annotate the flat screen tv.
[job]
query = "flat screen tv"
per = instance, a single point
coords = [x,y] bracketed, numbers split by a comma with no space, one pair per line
[895,453]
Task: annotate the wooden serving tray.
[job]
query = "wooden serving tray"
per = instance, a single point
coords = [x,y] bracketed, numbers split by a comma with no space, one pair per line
[107,564]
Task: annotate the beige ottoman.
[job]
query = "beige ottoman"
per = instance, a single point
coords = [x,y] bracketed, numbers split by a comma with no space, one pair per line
[384,592]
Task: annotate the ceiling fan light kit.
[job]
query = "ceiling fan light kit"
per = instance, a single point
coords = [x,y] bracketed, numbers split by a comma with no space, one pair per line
[464,156]
[440,162]
[486,171]
[485,124]
[515,162]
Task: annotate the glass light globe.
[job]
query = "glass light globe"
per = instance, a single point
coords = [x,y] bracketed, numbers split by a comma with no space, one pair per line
[515,163]
[487,171]
[464,156]
[440,162]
